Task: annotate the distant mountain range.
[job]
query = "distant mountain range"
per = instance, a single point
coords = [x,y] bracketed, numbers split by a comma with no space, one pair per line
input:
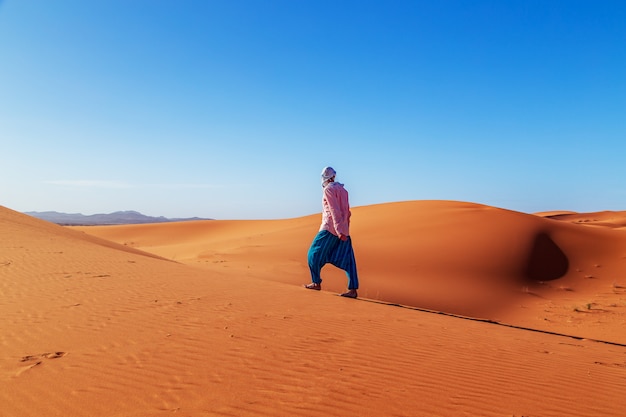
[119,217]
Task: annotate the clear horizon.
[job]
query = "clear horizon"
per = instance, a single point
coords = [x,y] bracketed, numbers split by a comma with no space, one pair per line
[230,110]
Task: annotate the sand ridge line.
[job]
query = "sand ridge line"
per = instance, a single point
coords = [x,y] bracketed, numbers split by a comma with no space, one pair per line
[489,321]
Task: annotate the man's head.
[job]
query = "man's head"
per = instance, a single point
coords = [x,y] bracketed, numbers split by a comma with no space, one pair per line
[328,175]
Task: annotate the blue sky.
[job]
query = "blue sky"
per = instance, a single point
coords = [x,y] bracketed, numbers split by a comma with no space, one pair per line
[230,109]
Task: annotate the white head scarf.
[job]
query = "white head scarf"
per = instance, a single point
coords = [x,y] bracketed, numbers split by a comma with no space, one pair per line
[327,174]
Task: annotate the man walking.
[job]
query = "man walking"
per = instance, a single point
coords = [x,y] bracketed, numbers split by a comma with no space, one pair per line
[332,244]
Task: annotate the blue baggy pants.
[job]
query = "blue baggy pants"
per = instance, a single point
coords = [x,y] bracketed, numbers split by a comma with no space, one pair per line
[328,248]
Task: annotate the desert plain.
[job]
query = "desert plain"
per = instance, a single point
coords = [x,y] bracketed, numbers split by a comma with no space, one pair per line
[463,310]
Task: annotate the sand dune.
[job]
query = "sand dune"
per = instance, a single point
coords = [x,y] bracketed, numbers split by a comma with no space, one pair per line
[96,328]
[612,219]
[462,258]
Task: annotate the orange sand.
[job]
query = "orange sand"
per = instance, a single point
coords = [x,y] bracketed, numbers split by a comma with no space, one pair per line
[209,318]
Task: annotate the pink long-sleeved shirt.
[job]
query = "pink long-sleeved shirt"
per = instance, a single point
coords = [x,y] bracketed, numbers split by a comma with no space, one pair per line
[335,210]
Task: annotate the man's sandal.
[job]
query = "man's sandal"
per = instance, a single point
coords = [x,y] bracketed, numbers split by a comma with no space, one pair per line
[350,294]
[313,286]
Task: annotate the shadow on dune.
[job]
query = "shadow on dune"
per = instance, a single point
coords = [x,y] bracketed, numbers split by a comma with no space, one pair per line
[546,261]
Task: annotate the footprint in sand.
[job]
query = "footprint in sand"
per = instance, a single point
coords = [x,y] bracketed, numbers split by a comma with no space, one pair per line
[52,355]
[36,360]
